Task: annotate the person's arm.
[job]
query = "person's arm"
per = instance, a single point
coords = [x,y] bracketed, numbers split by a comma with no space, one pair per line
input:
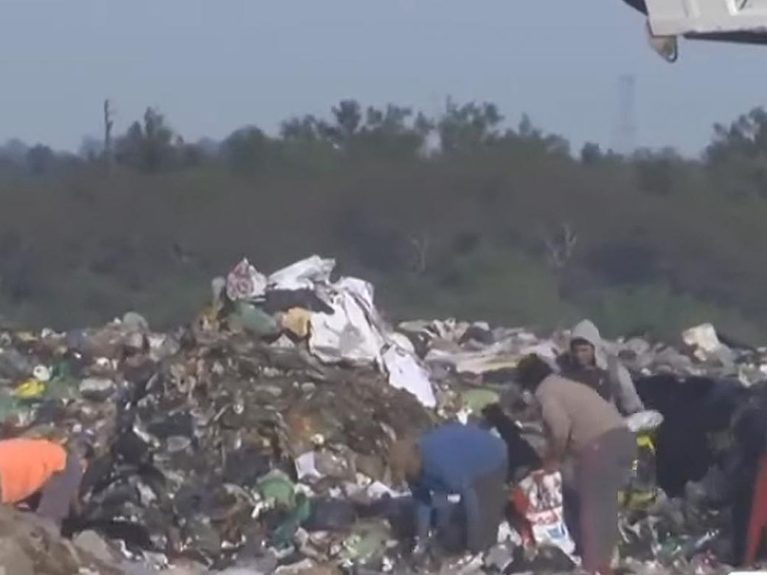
[629,401]
[558,425]
[473,519]
[558,428]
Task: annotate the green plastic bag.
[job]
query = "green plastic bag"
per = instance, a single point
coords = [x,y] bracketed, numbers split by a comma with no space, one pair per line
[283,535]
[279,489]
[254,320]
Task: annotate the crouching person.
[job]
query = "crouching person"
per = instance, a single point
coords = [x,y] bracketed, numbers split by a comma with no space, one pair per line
[581,424]
[454,460]
[41,473]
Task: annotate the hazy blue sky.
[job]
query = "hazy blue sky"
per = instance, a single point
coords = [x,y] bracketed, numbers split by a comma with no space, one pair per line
[216,65]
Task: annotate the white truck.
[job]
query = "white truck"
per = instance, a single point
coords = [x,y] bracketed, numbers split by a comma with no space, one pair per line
[738,21]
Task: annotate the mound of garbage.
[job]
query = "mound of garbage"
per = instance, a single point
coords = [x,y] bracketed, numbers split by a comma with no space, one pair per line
[254,439]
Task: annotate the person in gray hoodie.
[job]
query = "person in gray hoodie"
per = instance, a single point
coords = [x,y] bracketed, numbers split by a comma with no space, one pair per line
[588,362]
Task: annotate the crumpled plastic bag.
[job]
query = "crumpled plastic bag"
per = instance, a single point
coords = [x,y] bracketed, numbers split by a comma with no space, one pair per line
[297,321]
[346,334]
[245,282]
[703,337]
[278,488]
[707,344]
[539,495]
[644,421]
[304,274]
[253,320]
[30,389]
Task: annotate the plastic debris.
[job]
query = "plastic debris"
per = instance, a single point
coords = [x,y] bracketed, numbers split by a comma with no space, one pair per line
[544,510]
[255,441]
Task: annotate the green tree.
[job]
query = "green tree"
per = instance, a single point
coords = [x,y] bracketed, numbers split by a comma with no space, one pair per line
[40,159]
[468,127]
[248,149]
[151,146]
[737,155]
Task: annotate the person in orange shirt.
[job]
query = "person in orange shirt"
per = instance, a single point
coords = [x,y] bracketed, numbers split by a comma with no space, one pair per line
[38,469]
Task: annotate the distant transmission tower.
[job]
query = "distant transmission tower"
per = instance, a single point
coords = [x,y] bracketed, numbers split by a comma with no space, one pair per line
[625,133]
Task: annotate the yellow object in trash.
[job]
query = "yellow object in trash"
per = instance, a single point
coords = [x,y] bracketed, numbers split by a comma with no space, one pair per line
[642,488]
[207,319]
[30,389]
[297,321]
[26,336]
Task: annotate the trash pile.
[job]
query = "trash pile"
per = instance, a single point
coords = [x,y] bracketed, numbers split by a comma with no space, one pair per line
[338,320]
[254,440]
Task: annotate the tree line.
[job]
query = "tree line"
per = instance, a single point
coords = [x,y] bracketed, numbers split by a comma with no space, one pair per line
[457,214]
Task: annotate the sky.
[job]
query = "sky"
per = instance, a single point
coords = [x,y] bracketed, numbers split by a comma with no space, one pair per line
[212,66]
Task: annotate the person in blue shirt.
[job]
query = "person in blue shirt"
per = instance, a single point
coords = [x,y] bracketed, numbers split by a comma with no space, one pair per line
[459,460]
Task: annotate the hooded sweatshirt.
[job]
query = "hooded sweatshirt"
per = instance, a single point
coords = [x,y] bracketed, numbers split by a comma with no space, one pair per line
[609,378]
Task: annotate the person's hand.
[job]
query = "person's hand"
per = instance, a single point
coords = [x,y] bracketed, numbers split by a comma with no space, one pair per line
[493,413]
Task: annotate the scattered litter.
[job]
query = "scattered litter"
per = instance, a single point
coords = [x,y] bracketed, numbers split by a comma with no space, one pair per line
[256,441]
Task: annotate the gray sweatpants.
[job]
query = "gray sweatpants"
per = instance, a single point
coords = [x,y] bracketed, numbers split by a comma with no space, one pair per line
[491,493]
[61,490]
[601,469]
[451,524]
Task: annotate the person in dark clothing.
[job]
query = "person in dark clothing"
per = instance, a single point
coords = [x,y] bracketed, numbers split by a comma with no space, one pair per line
[697,412]
[582,424]
[745,481]
[454,459]
[521,456]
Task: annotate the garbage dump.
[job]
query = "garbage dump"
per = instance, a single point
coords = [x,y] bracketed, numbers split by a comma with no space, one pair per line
[255,439]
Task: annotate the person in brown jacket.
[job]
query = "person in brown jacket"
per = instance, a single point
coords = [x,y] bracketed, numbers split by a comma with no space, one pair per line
[582,425]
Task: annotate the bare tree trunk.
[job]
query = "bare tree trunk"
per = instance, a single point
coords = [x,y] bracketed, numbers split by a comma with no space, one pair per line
[108,124]
[560,246]
[421,251]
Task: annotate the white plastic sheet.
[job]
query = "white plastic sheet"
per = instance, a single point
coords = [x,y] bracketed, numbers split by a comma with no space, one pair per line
[405,372]
[304,274]
[347,333]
